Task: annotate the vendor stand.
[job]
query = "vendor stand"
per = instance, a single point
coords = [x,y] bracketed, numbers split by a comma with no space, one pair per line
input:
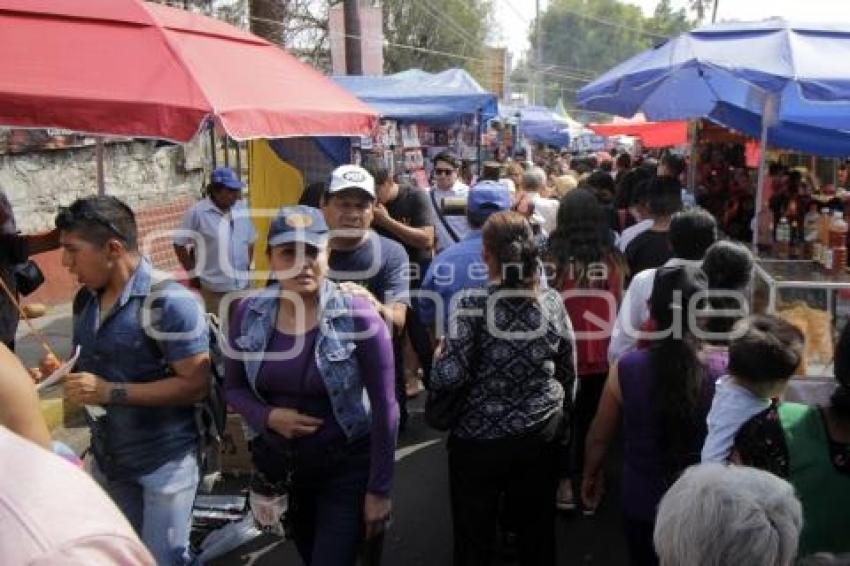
[799,291]
[768,80]
[422,114]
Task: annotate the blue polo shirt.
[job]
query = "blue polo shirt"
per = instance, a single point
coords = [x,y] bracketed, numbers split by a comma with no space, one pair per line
[459,267]
[138,440]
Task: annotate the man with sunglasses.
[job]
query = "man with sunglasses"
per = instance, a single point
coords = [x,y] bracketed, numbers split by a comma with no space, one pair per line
[449,229]
[143,365]
[216,241]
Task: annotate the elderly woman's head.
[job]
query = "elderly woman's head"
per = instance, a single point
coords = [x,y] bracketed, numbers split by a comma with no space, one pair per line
[716,515]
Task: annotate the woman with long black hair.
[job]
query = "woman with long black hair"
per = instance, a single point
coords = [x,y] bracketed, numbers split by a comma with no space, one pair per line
[589,274]
[662,395]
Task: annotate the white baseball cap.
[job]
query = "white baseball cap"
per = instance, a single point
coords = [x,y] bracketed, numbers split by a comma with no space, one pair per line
[352,177]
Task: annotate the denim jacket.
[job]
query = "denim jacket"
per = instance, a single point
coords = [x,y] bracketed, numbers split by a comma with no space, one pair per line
[334,352]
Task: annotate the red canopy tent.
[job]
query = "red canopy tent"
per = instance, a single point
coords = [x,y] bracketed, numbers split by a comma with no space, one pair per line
[130,68]
[651,134]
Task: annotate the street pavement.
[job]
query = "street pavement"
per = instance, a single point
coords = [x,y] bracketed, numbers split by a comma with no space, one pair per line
[421,531]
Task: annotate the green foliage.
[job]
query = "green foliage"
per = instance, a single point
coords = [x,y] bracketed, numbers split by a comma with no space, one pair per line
[458,27]
[582,39]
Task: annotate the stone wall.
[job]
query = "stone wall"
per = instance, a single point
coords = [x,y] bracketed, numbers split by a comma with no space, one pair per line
[137,172]
[155,181]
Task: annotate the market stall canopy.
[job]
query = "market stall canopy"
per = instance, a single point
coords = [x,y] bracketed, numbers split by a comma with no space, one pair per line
[736,73]
[132,68]
[538,124]
[573,125]
[651,134]
[419,96]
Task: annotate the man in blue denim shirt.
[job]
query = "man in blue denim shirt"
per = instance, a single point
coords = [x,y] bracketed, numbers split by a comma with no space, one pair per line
[143,365]
[461,266]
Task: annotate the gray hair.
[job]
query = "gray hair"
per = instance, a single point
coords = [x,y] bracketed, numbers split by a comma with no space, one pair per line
[716,515]
[534,179]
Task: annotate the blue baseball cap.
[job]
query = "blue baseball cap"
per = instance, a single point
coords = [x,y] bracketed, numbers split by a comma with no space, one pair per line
[227,177]
[488,197]
[298,224]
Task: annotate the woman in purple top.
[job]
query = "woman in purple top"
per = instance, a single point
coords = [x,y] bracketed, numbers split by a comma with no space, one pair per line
[311,371]
[662,395]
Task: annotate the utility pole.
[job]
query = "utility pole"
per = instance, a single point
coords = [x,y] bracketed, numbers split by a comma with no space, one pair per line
[714,12]
[353,58]
[538,59]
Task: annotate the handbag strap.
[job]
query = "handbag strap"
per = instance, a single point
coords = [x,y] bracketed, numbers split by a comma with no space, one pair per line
[452,234]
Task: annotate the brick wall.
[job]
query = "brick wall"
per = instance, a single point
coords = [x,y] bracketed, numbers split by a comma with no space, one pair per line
[155,220]
[60,286]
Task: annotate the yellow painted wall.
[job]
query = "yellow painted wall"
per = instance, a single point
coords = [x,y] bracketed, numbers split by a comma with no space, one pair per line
[273,183]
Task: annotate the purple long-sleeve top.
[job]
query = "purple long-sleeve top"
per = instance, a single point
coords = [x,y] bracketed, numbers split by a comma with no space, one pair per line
[296,383]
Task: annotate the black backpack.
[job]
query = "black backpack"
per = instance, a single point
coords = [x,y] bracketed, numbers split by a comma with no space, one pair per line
[211,412]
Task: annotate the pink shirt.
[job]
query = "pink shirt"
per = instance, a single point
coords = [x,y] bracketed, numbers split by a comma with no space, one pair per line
[53,513]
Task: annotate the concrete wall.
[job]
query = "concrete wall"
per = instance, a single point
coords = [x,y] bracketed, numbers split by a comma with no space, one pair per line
[160,184]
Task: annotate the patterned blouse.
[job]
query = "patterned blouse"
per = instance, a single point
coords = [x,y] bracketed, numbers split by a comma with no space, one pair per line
[516,368]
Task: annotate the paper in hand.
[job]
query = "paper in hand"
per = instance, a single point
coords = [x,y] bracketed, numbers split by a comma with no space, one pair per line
[60,372]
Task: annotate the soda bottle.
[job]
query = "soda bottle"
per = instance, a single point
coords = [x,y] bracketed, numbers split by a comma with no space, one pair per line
[810,232]
[838,243]
[783,239]
[764,225]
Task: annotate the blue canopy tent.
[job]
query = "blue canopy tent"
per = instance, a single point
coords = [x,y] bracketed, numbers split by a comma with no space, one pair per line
[539,124]
[783,81]
[419,96]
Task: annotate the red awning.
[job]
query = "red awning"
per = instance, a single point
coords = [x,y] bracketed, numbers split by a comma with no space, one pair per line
[126,67]
[651,134]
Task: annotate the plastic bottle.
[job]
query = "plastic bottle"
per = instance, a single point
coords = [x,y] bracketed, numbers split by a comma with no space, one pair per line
[838,230]
[810,232]
[783,239]
[764,225]
[838,243]
[823,235]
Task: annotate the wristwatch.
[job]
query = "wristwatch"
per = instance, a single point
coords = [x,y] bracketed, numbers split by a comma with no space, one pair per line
[117,394]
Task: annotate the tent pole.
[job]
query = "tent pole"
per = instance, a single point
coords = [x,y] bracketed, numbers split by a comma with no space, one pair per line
[480,133]
[767,118]
[99,157]
[692,162]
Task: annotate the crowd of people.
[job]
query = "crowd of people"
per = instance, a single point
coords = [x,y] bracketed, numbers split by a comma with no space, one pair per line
[547,309]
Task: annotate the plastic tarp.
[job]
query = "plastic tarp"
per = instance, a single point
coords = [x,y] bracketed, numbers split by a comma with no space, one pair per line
[134,68]
[728,72]
[651,134]
[418,96]
[542,125]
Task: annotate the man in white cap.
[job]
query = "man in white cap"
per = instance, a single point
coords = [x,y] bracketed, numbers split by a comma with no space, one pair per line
[376,265]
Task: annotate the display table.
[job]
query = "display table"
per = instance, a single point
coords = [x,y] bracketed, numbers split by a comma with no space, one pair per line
[789,281]
[779,274]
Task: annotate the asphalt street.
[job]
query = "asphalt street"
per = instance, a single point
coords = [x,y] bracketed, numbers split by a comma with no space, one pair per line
[421,533]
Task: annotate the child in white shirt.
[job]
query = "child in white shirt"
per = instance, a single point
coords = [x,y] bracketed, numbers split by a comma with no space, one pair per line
[761,362]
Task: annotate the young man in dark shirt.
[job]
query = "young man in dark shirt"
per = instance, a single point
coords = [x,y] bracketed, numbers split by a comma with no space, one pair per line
[377,266]
[652,248]
[403,213]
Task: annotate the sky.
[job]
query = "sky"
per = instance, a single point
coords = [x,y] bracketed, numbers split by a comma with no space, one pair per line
[515,16]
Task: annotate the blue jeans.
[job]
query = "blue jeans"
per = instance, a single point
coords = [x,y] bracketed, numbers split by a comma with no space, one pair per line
[159,507]
[328,493]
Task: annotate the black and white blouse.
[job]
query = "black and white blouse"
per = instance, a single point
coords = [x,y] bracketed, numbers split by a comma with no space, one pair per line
[514,357]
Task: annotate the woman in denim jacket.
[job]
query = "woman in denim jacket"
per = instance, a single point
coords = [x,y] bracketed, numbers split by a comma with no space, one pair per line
[311,371]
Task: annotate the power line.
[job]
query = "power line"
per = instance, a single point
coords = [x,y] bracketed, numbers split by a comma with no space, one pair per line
[389,43]
[612,24]
[441,16]
[437,17]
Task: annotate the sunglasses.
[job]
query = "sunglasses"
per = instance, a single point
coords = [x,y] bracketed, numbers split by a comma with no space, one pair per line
[68,217]
[443,171]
